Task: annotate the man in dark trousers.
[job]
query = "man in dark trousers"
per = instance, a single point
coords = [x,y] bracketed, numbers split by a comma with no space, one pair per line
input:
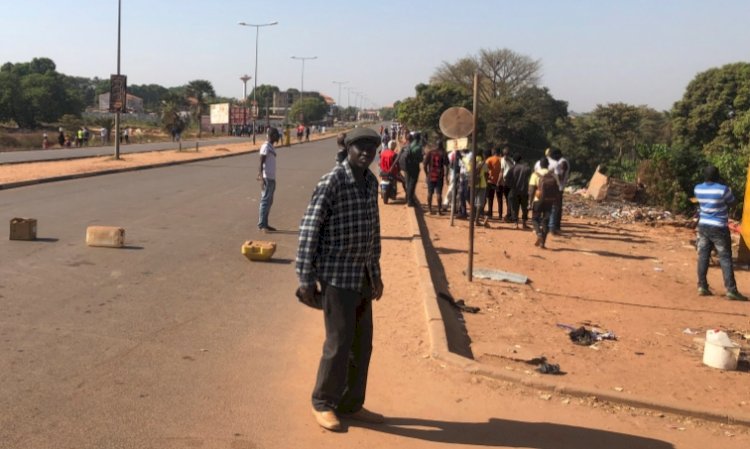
[518,182]
[714,198]
[339,249]
[410,161]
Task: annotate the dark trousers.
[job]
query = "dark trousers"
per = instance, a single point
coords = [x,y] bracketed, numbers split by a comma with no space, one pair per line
[411,187]
[492,192]
[556,214]
[519,200]
[540,215]
[715,237]
[342,373]
[509,209]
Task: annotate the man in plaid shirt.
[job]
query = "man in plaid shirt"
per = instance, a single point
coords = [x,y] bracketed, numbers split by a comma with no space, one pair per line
[339,248]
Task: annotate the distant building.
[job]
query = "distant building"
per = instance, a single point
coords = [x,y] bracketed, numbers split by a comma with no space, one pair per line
[134,104]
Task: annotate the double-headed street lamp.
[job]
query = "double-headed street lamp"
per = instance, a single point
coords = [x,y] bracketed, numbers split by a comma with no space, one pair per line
[303,59]
[255,89]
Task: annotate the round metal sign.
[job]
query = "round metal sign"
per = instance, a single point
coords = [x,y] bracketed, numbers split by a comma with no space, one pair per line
[456,122]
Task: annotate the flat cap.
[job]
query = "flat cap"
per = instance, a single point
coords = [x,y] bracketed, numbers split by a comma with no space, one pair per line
[362,134]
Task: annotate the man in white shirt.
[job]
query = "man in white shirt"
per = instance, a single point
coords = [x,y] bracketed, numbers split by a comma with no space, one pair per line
[267,174]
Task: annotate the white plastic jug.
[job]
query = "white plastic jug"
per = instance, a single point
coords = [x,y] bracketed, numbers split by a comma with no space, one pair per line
[719,351]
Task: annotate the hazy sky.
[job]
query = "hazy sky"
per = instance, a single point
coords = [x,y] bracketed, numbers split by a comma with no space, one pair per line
[592,51]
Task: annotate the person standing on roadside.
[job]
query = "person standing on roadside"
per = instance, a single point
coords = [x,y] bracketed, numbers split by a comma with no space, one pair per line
[714,199]
[506,163]
[267,174]
[561,167]
[494,183]
[435,170]
[346,264]
[412,159]
[518,181]
[61,137]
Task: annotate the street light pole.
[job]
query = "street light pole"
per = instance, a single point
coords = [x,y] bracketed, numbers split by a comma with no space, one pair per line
[255,89]
[338,102]
[117,113]
[303,59]
[244,79]
[339,83]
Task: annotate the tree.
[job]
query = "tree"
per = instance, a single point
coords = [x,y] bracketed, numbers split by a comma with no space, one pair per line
[151,94]
[503,72]
[308,109]
[199,90]
[713,117]
[387,113]
[526,121]
[34,92]
[714,112]
[423,111]
[264,96]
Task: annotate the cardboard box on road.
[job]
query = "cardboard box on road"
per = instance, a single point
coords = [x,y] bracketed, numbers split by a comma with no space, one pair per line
[23,229]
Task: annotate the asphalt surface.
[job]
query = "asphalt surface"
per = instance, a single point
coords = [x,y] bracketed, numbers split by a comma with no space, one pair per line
[54,154]
[173,337]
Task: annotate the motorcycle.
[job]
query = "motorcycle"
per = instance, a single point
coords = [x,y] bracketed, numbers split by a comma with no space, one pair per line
[387,187]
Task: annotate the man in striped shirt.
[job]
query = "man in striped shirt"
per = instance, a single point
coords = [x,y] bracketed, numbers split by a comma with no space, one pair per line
[715,199]
[339,248]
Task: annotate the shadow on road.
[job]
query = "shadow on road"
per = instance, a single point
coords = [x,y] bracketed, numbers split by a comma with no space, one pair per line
[603,253]
[507,433]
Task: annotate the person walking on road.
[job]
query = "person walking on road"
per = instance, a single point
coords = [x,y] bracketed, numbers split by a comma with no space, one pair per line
[346,264]
[267,174]
[714,199]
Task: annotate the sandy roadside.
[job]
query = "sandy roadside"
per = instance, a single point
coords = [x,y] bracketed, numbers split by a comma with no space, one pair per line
[18,173]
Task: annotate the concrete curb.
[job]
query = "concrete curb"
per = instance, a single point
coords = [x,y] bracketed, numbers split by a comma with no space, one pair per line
[439,351]
[12,185]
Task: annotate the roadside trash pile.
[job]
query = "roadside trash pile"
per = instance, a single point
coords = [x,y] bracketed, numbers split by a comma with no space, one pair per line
[620,211]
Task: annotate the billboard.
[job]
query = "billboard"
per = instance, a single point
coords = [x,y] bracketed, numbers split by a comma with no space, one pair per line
[118,93]
[219,113]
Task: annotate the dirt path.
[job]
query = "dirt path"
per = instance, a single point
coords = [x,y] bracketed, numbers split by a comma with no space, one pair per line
[633,280]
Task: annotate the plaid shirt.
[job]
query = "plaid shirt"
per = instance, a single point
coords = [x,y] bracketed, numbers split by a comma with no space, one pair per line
[339,236]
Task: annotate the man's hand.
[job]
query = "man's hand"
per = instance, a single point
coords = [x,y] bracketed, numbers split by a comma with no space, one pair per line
[306,295]
[377,289]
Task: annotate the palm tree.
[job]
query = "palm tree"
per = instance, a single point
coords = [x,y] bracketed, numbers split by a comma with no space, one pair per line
[200,91]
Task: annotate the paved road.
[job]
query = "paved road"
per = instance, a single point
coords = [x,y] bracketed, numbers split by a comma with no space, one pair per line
[7,157]
[174,341]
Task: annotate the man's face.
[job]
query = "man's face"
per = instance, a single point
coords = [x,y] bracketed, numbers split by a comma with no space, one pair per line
[361,153]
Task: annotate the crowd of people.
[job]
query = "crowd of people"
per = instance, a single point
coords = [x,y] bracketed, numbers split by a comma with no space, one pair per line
[505,182]
[83,137]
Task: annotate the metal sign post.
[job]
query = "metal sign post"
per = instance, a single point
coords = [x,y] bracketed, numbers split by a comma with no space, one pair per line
[474,210]
[458,123]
